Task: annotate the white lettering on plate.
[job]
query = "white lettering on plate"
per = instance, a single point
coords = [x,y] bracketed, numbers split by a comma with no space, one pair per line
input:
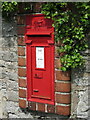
[39,57]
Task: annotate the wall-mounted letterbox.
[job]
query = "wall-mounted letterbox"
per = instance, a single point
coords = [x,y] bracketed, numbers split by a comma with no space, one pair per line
[39,40]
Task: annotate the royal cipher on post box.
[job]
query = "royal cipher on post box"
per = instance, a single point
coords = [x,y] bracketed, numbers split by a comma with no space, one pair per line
[39,40]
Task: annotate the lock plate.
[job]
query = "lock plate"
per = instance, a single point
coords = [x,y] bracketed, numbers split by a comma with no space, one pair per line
[38,75]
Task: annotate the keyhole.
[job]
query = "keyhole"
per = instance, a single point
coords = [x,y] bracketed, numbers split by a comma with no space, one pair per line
[36,75]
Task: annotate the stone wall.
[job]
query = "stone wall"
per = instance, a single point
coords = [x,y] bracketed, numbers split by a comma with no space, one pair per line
[80,84]
[9,72]
[9,61]
[8,66]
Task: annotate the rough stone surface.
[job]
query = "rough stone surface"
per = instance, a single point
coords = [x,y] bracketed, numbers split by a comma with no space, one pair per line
[80,105]
[0,103]
[9,97]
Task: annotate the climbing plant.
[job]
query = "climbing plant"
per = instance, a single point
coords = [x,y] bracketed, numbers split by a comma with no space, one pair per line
[9,8]
[71,22]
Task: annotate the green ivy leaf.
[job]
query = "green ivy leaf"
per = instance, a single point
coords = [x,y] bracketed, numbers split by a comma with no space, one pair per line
[63,69]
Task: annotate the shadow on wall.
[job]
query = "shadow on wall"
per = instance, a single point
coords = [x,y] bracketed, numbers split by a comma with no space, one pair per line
[44,116]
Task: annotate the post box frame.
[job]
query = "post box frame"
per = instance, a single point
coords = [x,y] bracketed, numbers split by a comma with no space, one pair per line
[29,46]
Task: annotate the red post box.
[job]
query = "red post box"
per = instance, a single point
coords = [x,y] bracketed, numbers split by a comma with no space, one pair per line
[39,40]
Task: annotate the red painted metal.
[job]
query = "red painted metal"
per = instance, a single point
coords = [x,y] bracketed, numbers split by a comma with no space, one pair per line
[39,38]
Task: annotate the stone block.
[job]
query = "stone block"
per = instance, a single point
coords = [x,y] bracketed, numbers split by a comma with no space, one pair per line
[2,63]
[12,85]
[13,57]
[12,95]
[4,93]
[10,56]
[9,28]
[25,116]
[4,83]
[5,73]
[0,84]
[13,116]
[1,55]
[9,42]
[0,73]
[12,107]
[11,65]
[79,76]
[88,66]
[13,76]
[1,41]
